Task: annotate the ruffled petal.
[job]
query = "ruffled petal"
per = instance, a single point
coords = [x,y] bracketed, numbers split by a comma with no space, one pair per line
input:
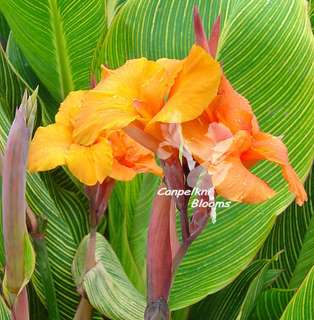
[147,163]
[295,185]
[49,147]
[197,140]
[194,88]
[267,147]
[90,164]
[126,80]
[128,154]
[231,109]
[122,173]
[70,108]
[101,112]
[234,182]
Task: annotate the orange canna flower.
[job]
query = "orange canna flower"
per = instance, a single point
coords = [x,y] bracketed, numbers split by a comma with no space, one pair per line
[54,146]
[163,91]
[234,141]
[227,139]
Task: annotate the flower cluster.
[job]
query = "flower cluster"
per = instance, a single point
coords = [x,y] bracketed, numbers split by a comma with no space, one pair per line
[142,100]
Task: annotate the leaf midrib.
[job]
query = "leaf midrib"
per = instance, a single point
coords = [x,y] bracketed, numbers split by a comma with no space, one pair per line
[63,62]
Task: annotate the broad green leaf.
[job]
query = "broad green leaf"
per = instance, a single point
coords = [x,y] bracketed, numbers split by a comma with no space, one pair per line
[226,303]
[267,51]
[4,311]
[107,286]
[239,297]
[4,31]
[44,269]
[182,314]
[129,212]
[306,255]
[272,303]
[11,87]
[311,12]
[36,308]
[24,71]
[58,39]
[16,57]
[294,234]
[71,204]
[255,289]
[301,305]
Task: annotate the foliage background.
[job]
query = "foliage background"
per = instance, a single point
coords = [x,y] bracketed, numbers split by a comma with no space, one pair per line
[256,262]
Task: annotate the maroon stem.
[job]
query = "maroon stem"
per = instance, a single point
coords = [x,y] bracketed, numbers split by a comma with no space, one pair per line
[159,259]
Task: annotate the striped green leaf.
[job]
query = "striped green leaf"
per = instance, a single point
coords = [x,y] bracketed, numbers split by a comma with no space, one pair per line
[238,299]
[4,311]
[302,304]
[19,62]
[294,234]
[23,69]
[267,51]
[254,291]
[4,31]
[226,303]
[272,304]
[60,39]
[106,285]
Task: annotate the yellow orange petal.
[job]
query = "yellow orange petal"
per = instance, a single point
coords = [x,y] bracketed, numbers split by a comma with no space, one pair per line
[234,182]
[197,140]
[195,87]
[105,72]
[90,164]
[130,155]
[265,146]
[295,184]
[121,172]
[101,112]
[49,147]
[126,81]
[231,109]
[70,108]
[148,164]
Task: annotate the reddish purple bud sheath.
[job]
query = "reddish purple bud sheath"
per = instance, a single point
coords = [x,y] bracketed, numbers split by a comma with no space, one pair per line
[20,309]
[98,196]
[200,34]
[214,37]
[13,201]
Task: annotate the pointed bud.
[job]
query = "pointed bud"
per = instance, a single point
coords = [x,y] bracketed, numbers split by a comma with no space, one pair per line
[13,201]
[29,104]
[200,34]
[214,37]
